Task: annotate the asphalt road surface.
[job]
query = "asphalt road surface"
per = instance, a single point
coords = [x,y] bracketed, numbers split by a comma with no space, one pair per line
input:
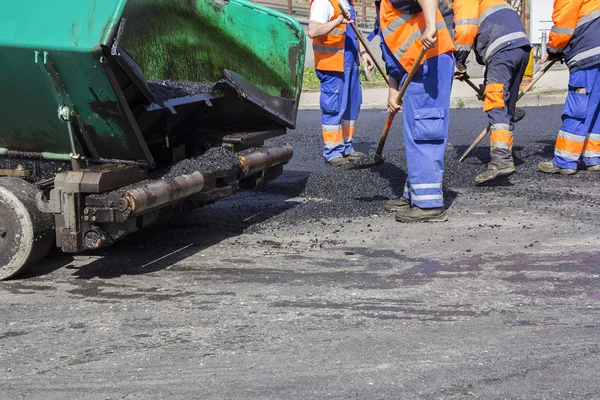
[308,290]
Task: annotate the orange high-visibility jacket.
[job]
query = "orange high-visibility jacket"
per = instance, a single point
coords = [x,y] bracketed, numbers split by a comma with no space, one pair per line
[329,49]
[401,25]
[489,26]
[576,32]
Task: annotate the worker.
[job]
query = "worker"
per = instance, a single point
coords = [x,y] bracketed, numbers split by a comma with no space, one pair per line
[406,27]
[575,38]
[336,49]
[493,29]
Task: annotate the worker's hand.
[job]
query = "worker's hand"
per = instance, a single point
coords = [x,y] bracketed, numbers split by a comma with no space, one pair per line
[393,106]
[461,72]
[429,37]
[343,20]
[368,61]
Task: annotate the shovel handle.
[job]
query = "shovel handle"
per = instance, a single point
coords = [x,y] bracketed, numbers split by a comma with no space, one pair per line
[364,43]
[390,119]
[527,89]
[475,88]
[536,79]
[474,144]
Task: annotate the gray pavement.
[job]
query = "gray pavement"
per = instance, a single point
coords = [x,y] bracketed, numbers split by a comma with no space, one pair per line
[299,291]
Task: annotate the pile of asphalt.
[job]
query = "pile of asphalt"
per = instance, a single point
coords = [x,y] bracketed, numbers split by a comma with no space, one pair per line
[166,89]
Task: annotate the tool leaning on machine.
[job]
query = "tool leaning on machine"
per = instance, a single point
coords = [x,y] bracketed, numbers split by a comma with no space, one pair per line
[378,158]
[527,89]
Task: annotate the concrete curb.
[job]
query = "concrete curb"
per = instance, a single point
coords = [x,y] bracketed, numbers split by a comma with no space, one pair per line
[529,100]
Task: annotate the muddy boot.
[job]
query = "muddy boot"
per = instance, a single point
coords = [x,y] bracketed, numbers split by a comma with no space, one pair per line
[416,214]
[338,162]
[549,168]
[355,155]
[397,204]
[495,171]
[593,168]
[519,115]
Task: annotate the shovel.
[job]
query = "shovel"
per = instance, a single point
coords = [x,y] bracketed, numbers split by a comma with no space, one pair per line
[378,158]
[527,89]
[364,43]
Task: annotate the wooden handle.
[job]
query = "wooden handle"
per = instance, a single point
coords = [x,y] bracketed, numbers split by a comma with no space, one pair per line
[362,39]
[536,79]
[410,76]
[474,144]
[390,119]
[475,88]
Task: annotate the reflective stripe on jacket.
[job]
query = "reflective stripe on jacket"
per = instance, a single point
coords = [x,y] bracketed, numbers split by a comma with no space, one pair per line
[329,49]
[576,32]
[402,24]
[488,26]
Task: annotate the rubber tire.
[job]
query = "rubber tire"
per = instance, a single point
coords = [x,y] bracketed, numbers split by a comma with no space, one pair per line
[26,234]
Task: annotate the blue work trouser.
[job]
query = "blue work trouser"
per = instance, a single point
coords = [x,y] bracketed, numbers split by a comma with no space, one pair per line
[341,97]
[426,110]
[503,77]
[579,135]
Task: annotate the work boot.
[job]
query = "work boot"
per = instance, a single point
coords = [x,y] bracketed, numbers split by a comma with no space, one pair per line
[338,161]
[549,168]
[416,214]
[593,168]
[495,171]
[397,204]
[518,115]
[355,155]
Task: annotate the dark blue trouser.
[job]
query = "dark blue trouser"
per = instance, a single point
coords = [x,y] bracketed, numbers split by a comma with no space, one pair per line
[503,77]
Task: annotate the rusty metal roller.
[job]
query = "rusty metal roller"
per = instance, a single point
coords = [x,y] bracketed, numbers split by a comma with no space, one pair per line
[161,192]
[262,159]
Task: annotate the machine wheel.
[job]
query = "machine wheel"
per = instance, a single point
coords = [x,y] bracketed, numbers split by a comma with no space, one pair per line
[26,234]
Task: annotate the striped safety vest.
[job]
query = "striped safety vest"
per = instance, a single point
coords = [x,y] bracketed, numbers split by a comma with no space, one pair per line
[329,49]
[489,25]
[576,32]
[402,27]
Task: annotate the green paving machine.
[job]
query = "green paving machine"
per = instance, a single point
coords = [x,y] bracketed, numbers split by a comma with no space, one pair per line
[117,114]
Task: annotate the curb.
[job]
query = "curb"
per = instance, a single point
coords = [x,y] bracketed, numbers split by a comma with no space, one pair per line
[530,100]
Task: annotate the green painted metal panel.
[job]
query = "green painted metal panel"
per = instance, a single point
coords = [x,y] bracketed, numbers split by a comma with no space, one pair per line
[195,40]
[184,40]
[71,32]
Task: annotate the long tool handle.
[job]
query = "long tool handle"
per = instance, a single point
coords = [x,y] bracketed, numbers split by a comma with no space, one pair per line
[536,79]
[364,43]
[475,87]
[390,119]
[527,89]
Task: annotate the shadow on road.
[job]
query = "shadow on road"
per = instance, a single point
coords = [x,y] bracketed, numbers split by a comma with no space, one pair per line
[159,247]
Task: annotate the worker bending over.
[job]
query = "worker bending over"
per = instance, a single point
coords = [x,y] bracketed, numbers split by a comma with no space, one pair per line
[336,48]
[406,27]
[575,37]
[494,30]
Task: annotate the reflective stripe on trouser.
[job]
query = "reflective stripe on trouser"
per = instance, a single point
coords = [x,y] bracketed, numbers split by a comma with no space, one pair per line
[579,135]
[425,125]
[348,128]
[341,97]
[503,77]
